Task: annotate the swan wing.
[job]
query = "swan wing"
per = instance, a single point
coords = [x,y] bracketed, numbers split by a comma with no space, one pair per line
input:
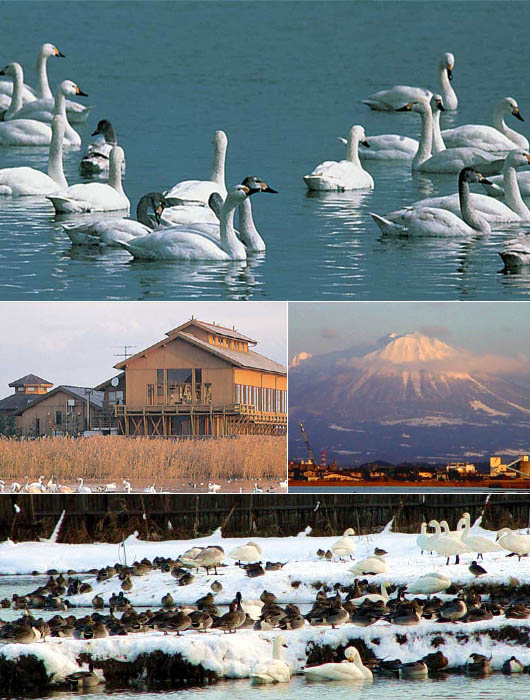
[25,132]
[480,136]
[396,97]
[176,245]
[92,196]
[389,147]
[26,181]
[433,221]
[491,209]
[190,214]
[194,191]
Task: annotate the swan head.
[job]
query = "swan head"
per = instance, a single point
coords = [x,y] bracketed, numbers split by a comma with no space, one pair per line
[220,139]
[470,175]
[510,105]
[437,103]
[517,158]
[67,87]
[351,654]
[255,183]
[50,50]
[358,133]
[106,129]
[447,63]
[156,201]
[348,532]
[13,70]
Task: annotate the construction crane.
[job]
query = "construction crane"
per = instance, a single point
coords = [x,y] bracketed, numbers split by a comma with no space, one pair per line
[307,445]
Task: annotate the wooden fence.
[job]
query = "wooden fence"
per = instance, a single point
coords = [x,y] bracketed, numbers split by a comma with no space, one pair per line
[110,517]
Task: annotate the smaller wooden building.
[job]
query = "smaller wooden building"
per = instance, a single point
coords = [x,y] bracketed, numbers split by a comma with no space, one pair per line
[202,379]
[27,389]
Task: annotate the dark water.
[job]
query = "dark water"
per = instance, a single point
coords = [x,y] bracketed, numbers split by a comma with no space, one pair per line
[283,80]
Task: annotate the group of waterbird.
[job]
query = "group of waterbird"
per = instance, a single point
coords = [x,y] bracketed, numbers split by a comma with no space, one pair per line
[474,151]
[193,220]
[429,598]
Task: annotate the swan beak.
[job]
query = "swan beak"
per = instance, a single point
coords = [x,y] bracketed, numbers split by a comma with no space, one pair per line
[78,91]
[365,143]
[3,71]
[406,108]
[266,188]
[450,72]
[59,54]
[482,179]
[246,190]
[517,114]
[527,156]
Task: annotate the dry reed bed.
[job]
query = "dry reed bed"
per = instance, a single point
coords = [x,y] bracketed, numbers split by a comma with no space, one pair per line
[117,457]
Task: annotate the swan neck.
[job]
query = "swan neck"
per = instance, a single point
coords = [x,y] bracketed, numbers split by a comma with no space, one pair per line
[43,86]
[438,144]
[55,158]
[217,173]
[425,146]
[469,213]
[16,99]
[512,193]
[115,176]
[276,646]
[448,94]
[247,229]
[141,212]
[60,105]
[352,149]
[229,241]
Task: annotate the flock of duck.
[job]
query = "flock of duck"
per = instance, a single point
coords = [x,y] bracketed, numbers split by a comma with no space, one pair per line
[473,151]
[358,604]
[194,219]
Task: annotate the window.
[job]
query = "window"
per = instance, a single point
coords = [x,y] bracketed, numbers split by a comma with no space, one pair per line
[58,417]
[116,396]
[31,388]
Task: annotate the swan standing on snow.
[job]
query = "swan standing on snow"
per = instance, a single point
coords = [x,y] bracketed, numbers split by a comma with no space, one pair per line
[185,243]
[433,221]
[274,670]
[491,209]
[111,231]
[511,541]
[429,584]
[248,553]
[390,100]
[95,196]
[97,157]
[30,132]
[344,174]
[344,547]
[451,160]
[498,137]
[351,669]
[23,181]
[477,543]
[447,545]
[516,252]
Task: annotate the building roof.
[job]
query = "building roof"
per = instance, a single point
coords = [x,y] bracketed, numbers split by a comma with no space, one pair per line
[30,379]
[213,328]
[248,359]
[76,392]
[107,382]
[15,402]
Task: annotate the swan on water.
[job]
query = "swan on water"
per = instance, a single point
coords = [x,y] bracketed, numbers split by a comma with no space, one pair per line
[516,252]
[491,209]
[23,180]
[97,157]
[393,98]
[111,231]
[31,132]
[28,93]
[351,669]
[450,160]
[342,175]
[272,670]
[95,196]
[186,243]
[81,487]
[498,137]
[433,221]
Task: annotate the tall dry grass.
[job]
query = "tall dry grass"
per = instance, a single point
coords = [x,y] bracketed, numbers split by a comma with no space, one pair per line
[118,457]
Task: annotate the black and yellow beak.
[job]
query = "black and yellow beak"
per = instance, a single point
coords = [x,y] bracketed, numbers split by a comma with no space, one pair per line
[266,188]
[450,72]
[527,156]
[3,71]
[365,143]
[517,114]
[78,91]
[440,106]
[406,108]
[58,53]
[482,179]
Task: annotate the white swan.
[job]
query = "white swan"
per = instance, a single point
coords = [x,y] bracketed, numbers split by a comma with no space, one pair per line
[477,543]
[516,252]
[95,196]
[498,137]
[274,670]
[351,669]
[342,175]
[372,597]
[393,98]
[248,553]
[345,547]
[512,542]
[491,209]
[446,545]
[97,157]
[429,583]
[370,565]
[199,191]
[28,93]
[433,221]
[186,243]
[451,160]
[81,487]
[112,231]
[30,132]
[23,181]
[423,539]
[495,187]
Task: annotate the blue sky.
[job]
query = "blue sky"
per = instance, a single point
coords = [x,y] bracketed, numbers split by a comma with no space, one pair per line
[77,342]
[494,327]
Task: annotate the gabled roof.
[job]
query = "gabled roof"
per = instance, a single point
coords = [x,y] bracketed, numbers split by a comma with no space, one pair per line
[107,382]
[15,402]
[213,328]
[76,392]
[249,359]
[29,379]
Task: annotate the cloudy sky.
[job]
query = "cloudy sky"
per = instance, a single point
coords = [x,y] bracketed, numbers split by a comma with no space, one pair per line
[496,329]
[78,343]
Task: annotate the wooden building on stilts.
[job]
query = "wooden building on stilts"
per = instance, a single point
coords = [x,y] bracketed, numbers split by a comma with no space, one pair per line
[202,379]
